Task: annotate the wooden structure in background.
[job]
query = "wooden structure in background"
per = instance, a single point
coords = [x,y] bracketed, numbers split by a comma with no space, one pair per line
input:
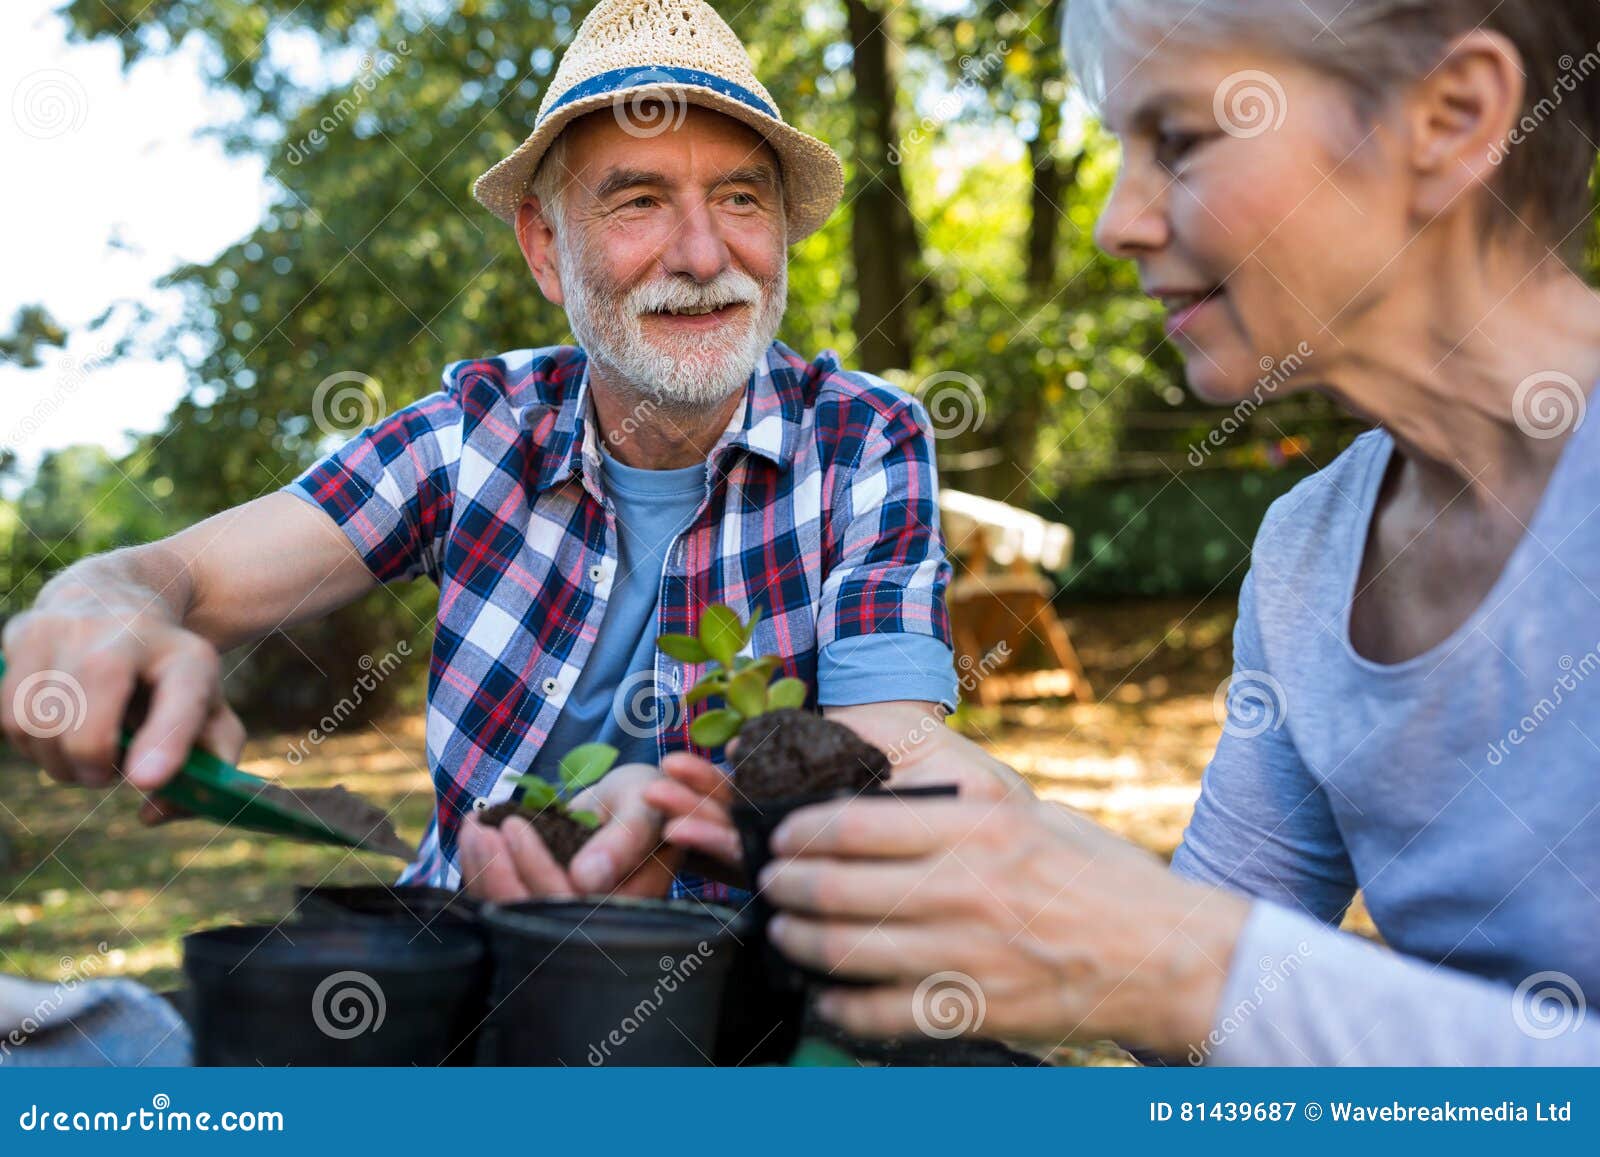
[999,594]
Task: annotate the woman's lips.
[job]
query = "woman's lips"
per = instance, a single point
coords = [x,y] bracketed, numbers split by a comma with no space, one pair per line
[1183,313]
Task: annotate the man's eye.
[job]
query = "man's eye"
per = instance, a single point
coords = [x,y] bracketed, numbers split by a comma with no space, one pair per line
[643,201]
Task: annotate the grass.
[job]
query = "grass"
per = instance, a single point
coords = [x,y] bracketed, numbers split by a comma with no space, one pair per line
[89,882]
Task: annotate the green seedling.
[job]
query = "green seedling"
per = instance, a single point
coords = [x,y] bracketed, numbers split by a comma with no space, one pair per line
[580,767]
[745,684]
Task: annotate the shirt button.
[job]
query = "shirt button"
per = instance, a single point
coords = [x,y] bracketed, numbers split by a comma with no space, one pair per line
[597,573]
[551,686]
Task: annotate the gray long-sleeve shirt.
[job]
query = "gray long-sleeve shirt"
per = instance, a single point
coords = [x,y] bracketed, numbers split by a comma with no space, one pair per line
[1460,791]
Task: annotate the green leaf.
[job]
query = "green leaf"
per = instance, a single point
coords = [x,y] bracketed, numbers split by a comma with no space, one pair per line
[584,765]
[715,728]
[684,648]
[705,689]
[587,819]
[786,693]
[747,693]
[537,793]
[767,664]
[750,627]
[721,634]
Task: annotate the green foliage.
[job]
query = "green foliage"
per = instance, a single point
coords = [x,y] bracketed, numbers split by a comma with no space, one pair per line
[372,257]
[581,767]
[741,681]
[31,328]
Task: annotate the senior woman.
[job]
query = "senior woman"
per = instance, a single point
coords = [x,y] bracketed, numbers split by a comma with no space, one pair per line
[1392,189]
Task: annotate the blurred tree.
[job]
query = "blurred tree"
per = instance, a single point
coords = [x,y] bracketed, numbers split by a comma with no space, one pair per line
[31,328]
[884,242]
[964,246]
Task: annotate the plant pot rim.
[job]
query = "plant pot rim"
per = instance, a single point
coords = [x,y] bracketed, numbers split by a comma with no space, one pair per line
[554,917]
[795,802]
[245,946]
[461,905]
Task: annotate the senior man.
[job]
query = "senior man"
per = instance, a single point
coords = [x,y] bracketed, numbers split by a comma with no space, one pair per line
[571,502]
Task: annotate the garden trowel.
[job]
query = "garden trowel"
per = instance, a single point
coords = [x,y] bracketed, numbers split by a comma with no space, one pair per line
[213,789]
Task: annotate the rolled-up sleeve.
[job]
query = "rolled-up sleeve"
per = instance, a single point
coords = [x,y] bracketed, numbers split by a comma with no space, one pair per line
[391,487]
[885,559]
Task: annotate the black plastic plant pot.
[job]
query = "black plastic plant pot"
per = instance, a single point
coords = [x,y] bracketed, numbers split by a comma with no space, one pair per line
[308,994]
[761,1024]
[423,908]
[756,822]
[591,982]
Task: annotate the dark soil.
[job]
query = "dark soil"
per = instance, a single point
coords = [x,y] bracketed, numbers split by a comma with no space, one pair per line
[791,752]
[561,834]
[345,812]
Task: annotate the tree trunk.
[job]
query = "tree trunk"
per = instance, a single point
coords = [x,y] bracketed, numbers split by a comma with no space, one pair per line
[1050,183]
[883,237]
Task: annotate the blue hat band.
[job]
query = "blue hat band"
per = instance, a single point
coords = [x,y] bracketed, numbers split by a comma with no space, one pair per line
[620,79]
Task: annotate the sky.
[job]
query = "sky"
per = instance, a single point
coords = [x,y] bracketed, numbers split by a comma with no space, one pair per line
[108,189]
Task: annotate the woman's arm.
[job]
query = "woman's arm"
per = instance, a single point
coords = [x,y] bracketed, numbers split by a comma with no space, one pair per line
[1263,825]
[1300,993]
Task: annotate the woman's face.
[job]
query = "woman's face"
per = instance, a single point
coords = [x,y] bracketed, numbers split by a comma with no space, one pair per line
[1260,208]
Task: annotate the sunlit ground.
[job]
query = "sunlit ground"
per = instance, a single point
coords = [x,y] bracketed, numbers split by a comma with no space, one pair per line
[86,874]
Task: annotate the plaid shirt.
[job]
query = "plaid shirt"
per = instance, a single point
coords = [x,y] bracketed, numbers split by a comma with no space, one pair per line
[821,508]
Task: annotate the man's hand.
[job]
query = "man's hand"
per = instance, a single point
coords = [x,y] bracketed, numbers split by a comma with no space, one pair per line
[625,857]
[697,797]
[71,672]
[156,617]
[923,750]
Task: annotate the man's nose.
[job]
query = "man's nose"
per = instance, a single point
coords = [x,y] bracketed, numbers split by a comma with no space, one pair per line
[696,248]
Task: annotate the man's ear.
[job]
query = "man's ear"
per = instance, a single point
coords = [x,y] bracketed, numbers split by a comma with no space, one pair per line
[1461,116]
[538,241]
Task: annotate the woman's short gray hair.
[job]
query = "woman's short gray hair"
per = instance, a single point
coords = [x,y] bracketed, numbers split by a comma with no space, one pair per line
[1377,46]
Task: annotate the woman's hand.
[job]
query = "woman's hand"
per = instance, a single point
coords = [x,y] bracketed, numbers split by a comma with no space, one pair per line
[1054,928]
[625,857]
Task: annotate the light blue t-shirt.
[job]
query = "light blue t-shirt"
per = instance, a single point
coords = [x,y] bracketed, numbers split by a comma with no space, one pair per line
[1459,790]
[614,699]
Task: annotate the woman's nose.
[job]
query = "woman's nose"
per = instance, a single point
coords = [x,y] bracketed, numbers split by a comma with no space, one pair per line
[1134,221]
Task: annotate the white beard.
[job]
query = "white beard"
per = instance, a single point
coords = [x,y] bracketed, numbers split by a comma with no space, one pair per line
[704,371]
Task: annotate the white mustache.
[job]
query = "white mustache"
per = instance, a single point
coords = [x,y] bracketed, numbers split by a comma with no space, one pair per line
[731,287]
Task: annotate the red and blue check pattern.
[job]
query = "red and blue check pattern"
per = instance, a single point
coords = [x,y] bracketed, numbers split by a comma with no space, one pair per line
[821,509]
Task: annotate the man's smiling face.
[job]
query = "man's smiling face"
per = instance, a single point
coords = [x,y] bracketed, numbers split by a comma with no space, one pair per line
[668,251]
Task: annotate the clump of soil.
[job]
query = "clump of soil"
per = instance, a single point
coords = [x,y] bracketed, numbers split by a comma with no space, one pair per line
[791,752]
[562,834]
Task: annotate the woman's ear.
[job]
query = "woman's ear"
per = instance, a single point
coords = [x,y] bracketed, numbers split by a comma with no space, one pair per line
[1461,116]
[538,241]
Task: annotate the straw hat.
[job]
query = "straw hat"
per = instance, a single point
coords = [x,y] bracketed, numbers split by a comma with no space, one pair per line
[628,54]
